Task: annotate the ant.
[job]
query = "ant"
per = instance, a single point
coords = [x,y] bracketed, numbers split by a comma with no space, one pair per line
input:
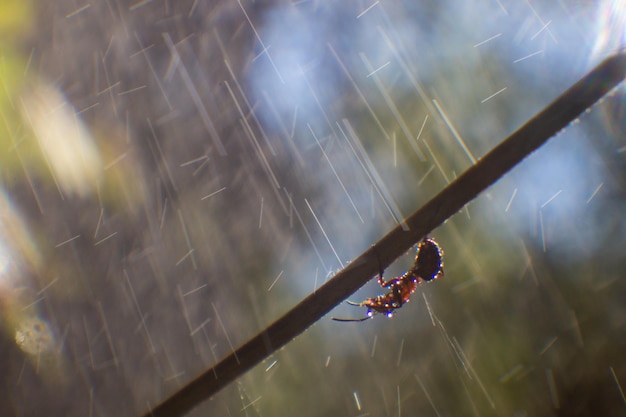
[428,266]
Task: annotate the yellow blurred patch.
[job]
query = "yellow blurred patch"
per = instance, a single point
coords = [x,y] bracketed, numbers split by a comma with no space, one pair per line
[15,17]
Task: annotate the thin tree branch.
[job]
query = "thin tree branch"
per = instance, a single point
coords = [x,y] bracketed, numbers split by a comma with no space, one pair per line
[481,175]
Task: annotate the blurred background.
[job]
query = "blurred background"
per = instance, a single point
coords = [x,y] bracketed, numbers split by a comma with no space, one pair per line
[175,175]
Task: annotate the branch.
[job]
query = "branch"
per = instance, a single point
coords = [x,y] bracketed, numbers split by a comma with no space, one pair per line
[465,188]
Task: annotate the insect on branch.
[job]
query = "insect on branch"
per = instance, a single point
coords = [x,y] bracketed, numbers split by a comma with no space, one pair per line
[398,241]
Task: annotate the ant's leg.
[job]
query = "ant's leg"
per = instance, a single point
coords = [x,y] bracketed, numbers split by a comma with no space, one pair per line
[381,271]
[397,296]
[388,284]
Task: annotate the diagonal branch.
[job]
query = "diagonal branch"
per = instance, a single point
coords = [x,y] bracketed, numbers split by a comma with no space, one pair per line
[450,200]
